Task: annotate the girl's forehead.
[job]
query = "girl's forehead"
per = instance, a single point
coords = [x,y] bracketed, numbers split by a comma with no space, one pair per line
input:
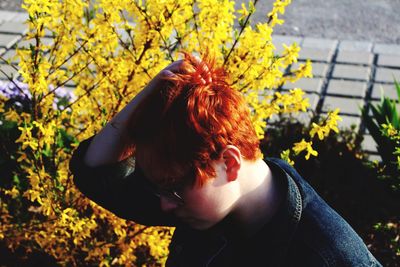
[161,170]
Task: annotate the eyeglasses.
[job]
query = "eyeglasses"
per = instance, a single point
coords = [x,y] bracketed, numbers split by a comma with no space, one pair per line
[173,194]
[170,195]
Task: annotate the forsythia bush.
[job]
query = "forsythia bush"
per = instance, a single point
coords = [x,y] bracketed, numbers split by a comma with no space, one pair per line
[109,50]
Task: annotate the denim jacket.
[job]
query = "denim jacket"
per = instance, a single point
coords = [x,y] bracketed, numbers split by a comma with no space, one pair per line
[305,232]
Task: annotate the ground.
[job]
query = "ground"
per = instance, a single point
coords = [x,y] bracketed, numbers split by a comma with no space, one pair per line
[369,20]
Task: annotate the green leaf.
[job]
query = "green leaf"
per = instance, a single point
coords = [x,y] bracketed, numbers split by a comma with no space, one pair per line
[64,140]
[386,108]
[241,23]
[236,34]
[397,85]
[252,8]
[377,114]
[16,180]
[395,119]
[47,152]
[374,127]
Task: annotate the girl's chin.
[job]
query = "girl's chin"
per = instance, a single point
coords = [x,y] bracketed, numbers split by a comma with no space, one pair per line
[198,224]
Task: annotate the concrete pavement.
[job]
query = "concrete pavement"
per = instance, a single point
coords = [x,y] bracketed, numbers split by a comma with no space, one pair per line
[347,73]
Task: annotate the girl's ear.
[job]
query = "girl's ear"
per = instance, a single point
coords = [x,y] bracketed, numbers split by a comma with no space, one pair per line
[233,160]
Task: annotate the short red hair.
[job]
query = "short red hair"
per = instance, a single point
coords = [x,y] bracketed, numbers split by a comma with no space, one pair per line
[195,116]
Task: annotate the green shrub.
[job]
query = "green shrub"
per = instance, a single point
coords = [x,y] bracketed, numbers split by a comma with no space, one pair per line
[384,127]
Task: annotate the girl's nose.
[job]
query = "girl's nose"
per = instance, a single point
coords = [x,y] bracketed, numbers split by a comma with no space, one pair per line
[167,205]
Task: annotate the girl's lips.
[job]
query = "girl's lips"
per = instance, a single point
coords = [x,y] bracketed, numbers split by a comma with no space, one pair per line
[187,220]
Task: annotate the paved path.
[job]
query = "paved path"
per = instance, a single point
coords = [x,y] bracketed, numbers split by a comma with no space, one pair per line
[371,20]
[347,74]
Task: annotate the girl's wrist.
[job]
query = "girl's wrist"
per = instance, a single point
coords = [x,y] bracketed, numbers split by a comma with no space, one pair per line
[118,128]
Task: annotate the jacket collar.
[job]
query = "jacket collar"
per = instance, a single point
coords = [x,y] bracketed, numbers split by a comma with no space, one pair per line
[281,229]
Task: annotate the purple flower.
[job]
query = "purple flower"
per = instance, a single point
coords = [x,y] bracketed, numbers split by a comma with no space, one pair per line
[64,92]
[19,95]
[15,89]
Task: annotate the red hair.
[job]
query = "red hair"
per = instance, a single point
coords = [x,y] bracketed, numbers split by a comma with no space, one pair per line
[195,116]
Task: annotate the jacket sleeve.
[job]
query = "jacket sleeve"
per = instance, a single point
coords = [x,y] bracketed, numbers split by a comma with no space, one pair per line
[119,188]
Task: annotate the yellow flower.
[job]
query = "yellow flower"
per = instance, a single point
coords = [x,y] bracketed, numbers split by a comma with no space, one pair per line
[243,12]
[13,192]
[26,138]
[303,145]
[33,195]
[11,115]
[285,155]
[22,157]
[291,53]
[300,146]
[328,125]
[319,130]
[389,130]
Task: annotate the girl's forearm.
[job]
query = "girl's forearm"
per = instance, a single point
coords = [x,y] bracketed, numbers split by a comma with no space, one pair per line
[111,143]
